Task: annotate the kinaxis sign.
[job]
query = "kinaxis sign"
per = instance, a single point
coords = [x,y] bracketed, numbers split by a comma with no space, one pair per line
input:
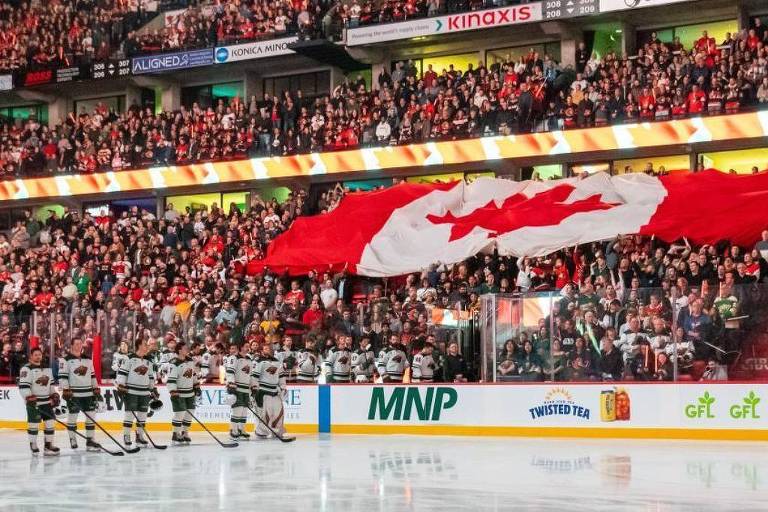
[503,16]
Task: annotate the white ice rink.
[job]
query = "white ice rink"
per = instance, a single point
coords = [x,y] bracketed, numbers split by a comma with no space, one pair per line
[390,473]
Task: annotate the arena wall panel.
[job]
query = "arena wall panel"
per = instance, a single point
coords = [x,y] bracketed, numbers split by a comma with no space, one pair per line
[609,138]
[715,410]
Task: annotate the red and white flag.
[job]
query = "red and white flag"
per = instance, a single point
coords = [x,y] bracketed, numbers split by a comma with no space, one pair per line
[408,227]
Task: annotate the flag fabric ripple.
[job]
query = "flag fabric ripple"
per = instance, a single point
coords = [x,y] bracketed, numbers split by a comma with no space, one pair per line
[408,227]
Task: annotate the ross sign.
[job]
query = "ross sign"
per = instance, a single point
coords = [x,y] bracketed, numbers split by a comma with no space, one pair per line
[255,50]
[41,77]
[171,61]
[559,9]
[491,18]
[624,5]
[111,69]
[6,82]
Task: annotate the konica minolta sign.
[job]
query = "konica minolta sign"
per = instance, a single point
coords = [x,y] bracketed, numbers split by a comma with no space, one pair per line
[255,50]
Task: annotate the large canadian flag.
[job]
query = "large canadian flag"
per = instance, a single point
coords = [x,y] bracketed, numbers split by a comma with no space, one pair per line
[408,227]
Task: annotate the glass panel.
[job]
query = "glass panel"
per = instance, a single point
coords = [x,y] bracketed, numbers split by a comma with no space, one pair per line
[607,333]
[14,345]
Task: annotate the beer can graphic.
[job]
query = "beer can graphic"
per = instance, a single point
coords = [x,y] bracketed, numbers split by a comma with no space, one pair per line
[608,405]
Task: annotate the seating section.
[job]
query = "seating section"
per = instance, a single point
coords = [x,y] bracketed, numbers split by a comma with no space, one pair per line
[408,105]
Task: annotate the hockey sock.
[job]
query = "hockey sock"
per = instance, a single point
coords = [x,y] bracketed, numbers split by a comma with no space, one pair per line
[49,431]
[127,423]
[72,426]
[177,421]
[242,418]
[32,432]
[186,423]
[142,421]
[90,428]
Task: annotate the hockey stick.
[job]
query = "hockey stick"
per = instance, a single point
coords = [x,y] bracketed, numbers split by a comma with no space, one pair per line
[223,445]
[118,443]
[57,420]
[281,438]
[154,445]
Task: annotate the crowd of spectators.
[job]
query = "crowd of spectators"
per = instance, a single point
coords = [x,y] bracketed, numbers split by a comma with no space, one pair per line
[355,13]
[629,308]
[62,33]
[223,23]
[530,93]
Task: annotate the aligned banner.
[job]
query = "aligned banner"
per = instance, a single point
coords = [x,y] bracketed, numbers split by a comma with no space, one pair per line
[171,61]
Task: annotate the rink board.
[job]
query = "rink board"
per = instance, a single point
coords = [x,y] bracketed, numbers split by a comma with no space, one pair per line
[301,407]
[718,411]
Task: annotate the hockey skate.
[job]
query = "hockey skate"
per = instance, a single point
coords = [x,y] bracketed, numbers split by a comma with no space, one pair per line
[91,446]
[177,439]
[185,438]
[140,439]
[34,448]
[245,436]
[235,436]
[73,443]
[50,450]
[127,440]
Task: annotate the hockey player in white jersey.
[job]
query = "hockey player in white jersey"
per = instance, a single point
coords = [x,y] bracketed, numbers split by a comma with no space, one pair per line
[238,378]
[210,362]
[36,388]
[230,358]
[423,367]
[167,355]
[136,383]
[394,361]
[120,356]
[363,361]
[308,362]
[268,387]
[80,389]
[338,363]
[287,356]
[183,388]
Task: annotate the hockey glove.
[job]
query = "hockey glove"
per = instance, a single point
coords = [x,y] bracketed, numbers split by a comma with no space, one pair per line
[55,400]
[66,393]
[122,390]
[31,400]
[197,390]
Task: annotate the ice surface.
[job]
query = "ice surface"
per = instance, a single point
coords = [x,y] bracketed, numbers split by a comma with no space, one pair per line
[390,473]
